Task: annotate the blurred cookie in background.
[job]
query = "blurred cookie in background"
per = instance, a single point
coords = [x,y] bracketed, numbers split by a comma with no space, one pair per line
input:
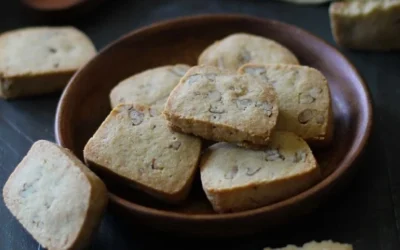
[366,24]
[306,1]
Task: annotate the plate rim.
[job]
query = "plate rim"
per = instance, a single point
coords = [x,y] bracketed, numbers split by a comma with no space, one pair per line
[347,163]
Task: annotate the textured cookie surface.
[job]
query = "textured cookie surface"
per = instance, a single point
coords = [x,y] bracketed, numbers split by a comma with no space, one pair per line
[236,179]
[237,49]
[135,144]
[55,197]
[306,1]
[150,87]
[368,24]
[304,99]
[42,50]
[40,60]
[313,245]
[218,105]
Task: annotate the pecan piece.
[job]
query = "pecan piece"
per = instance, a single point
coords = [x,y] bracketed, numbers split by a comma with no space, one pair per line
[243,104]
[299,156]
[266,107]
[315,92]
[216,109]
[273,154]
[154,165]
[136,116]
[305,116]
[231,173]
[252,171]
[305,98]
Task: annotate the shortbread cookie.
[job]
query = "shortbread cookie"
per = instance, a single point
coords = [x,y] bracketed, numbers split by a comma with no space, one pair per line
[236,179]
[135,145]
[304,99]
[55,197]
[150,87]
[41,60]
[237,49]
[313,245]
[306,1]
[367,24]
[222,106]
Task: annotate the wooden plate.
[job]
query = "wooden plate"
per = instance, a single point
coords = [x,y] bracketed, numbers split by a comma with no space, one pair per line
[85,103]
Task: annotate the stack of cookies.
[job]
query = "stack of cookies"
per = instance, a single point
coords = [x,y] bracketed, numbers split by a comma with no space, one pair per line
[249,95]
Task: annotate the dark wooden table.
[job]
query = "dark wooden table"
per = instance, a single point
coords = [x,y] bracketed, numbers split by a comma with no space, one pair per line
[365,214]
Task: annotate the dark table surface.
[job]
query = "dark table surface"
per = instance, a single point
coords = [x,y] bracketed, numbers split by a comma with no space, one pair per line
[366,213]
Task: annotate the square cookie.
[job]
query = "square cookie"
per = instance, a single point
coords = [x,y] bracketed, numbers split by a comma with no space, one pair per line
[314,245]
[366,25]
[236,49]
[305,106]
[41,60]
[135,144]
[55,197]
[237,179]
[150,87]
[221,106]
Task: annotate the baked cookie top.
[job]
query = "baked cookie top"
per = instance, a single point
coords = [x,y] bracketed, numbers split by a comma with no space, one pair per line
[237,49]
[42,50]
[150,87]
[364,7]
[368,24]
[314,245]
[229,101]
[50,193]
[226,166]
[304,98]
[135,143]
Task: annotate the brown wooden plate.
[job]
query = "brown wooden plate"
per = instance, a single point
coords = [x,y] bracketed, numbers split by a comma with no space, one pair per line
[85,104]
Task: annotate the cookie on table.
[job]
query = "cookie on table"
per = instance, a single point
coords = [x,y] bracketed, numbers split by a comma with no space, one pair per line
[41,60]
[306,1]
[313,245]
[219,105]
[149,87]
[237,179]
[367,24]
[305,106]
[135,145]
[233,51]
[55,197]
